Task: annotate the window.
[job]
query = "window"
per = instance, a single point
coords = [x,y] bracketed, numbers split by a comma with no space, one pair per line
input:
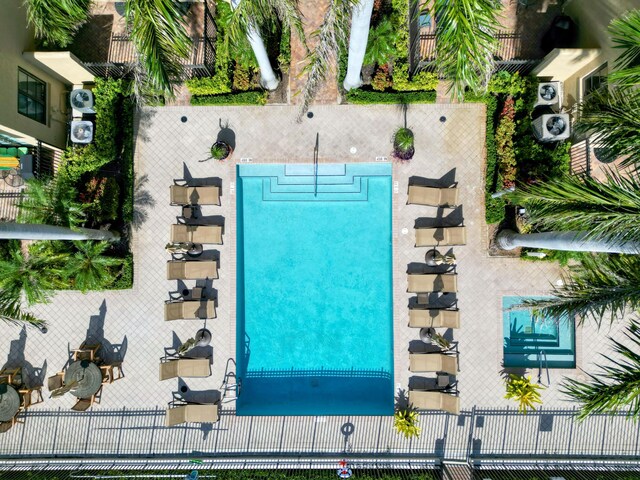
[32,97]
[594,81]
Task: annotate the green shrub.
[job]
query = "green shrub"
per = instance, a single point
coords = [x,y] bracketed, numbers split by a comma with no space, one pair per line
[506,83]
[422,80]
[403,139]
[241,78]
[244,98]
[124,275]
[381,44]
[381,80]
[505,131]
[126,166]
[405,422]
[108,94]
[367,97]
[520,389]
[219,83]
[400,20]
[284,58]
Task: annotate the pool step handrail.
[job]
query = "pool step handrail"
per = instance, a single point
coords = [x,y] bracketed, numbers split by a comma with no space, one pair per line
[315,165]
[542,356]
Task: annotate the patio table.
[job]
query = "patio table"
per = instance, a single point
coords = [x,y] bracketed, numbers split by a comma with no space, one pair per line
[9,402]
[88,377]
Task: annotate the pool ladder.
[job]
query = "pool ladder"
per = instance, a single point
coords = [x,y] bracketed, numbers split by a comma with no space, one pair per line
[542,356]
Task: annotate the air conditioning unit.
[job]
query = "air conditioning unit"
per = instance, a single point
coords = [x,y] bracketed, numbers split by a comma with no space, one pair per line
[549,94]
[81,131]
[82,100]
[552,127]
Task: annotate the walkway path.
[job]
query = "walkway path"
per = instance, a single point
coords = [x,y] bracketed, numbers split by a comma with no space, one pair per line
[313,12]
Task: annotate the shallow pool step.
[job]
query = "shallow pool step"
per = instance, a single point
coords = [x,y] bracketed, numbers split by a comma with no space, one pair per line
[531,361]
[325,193]
[354,186]
[533,342]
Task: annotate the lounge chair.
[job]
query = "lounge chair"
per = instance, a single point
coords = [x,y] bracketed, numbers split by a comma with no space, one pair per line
[441,237]
[189,309]
[196,233]
[434,401]
[191,413]
[436,318]
[55,381]
[191,270]
[205,195]
[431,282]
[433,362]
[185,367]
[437,197]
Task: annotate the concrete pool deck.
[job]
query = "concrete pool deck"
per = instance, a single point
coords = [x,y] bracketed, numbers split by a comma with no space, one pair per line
[169,149]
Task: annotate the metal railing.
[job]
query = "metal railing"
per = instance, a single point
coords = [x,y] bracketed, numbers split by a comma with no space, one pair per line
[543,365]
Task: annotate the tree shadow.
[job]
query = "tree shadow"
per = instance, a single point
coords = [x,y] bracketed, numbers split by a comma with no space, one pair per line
[226,135]
[142,201]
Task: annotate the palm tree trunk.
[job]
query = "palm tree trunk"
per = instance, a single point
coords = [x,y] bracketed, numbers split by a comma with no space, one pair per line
[571,241]
[28,231]
[268,77]
[360,21]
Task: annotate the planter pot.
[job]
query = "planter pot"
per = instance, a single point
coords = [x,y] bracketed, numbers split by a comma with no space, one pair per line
[403,154]
[220,150]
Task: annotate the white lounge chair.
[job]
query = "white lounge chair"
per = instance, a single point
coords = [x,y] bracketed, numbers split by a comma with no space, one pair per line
[441,237]
[192,413]
[431,282]
[435,318]
[433,362]
[191,270]
[434,401]
[185,367]
[182,233]
[183,195]
[437,197]
[189,309]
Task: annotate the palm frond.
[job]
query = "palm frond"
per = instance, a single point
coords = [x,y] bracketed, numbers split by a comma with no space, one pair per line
[89,267]
[466,42]
[612,115]
[330,37]
[601,286]
[625,34]
[159,35]
[616,386]
[57,21]
[608,210]
[11,312]
[264,15]
[52,202]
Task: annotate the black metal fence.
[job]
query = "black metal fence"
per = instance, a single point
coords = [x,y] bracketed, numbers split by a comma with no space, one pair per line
[122,54]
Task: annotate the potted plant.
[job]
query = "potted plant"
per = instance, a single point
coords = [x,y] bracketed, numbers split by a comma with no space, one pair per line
[220,150]
[520,389]
[405,420]
[403,144]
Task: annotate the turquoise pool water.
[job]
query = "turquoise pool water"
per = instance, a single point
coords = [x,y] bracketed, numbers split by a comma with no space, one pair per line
[526,337]
[314,290]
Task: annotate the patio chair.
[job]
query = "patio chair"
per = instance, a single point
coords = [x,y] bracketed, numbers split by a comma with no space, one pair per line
[191,413]
[12,376]
[434,401]
[196,234]
[55,381]
[30,396]
[8,425]
[437,197]
[184,367]
[184,195]
[436,318]
[432,282]
[87,351]
[83,404]
[441,237]
[191,269]
[433,362]
[109,372]
[189,309]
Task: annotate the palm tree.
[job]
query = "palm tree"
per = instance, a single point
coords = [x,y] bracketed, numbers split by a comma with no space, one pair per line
[466,42]
[57,21]
[330,37]
[88,267]
[32,277]
[615,386]
[612,115]
[52,202]
[11,312]
[360,23]
[601,286]
[159,35]
[608,210]
[251,17]
[625,33]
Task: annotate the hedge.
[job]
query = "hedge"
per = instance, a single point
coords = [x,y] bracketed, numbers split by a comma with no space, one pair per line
[367,97]
[243,98]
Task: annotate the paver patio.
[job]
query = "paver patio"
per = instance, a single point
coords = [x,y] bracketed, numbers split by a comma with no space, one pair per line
[129,418]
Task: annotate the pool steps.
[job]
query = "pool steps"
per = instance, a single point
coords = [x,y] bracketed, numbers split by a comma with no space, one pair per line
[297,182]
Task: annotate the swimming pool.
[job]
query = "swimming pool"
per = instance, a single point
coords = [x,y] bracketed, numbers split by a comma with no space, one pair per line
[526,338]
[314,290]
